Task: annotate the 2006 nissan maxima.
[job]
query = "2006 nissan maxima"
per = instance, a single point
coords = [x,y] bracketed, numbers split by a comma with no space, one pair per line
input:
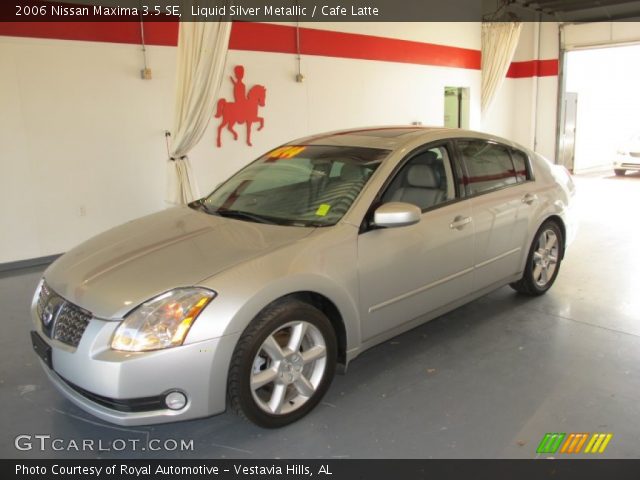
[252,296]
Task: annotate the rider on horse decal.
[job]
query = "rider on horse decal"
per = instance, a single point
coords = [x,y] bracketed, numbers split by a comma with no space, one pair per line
[244,108]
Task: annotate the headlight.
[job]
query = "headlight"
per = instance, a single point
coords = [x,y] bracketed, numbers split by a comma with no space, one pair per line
[161,322]
[621,152]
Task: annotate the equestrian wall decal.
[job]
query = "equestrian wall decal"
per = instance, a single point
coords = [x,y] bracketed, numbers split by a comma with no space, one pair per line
[244,108]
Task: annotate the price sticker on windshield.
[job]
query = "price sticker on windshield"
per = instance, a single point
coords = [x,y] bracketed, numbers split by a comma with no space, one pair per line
[288,151]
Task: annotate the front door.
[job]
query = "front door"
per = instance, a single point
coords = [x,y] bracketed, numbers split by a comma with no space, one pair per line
[408,271]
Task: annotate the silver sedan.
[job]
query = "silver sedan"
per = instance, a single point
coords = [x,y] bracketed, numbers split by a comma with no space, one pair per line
[253,296]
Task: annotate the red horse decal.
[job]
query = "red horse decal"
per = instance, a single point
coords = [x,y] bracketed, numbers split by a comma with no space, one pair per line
[243,110]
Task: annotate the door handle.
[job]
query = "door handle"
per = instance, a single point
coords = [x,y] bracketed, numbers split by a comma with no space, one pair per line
[529,198]
[459,222]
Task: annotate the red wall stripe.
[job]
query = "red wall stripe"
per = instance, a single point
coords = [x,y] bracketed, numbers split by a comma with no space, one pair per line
[264,37]
[533,68]
[155,33]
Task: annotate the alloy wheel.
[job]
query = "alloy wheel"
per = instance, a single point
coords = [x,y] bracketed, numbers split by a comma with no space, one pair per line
[545,258]
[288,368]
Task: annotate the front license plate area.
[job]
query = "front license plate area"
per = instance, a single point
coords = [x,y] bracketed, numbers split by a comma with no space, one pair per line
[41,348]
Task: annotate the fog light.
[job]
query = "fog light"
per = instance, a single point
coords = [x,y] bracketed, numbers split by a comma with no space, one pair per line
[175,400]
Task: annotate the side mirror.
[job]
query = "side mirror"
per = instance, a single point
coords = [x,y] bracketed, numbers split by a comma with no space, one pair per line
[396,214]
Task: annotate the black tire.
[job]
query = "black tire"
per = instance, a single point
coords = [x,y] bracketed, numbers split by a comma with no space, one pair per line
[271,322]
[529,284]
[619,172]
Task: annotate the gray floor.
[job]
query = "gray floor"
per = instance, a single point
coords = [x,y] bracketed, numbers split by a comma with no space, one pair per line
[487,380]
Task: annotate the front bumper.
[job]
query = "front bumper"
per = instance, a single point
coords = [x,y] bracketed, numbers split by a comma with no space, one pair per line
[99,380]
[627,162]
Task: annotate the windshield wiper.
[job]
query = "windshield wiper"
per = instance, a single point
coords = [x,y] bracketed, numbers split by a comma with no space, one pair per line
[243,215]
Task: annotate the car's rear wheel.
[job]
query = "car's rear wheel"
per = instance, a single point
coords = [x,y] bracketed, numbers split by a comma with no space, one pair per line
[619,172]
[543,262]
[282,365]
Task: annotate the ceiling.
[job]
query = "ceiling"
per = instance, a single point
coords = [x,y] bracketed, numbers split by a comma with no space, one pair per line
[570,10]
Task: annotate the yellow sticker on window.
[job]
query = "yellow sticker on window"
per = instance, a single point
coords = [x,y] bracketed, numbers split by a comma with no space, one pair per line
[289,151]
[323,209]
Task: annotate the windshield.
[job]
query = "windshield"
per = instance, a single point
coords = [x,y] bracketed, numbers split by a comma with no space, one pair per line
[296,185]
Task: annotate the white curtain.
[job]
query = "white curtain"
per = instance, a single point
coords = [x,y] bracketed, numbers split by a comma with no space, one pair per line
[202,51]
[499,43]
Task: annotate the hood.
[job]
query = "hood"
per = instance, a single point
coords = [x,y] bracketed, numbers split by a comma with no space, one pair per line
[115,271]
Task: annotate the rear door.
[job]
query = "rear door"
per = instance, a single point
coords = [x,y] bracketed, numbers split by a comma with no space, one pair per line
[500,205]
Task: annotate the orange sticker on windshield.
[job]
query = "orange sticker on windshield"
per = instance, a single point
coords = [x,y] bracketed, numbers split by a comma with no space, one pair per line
[288,151]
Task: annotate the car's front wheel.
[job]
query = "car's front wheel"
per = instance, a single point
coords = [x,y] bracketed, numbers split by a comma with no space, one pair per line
[543,262]
[619,172]
[282,365]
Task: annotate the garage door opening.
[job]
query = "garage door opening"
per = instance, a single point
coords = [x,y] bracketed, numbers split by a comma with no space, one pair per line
[601,90]
[456,107]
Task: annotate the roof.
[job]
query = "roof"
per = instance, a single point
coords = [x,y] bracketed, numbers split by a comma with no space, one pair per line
[389,137]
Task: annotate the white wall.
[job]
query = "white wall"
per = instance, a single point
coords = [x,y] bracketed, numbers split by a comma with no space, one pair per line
[337,93]
[83,134]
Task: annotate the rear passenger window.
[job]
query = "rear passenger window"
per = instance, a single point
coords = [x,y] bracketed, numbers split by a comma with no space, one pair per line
[521,164]
[488,166]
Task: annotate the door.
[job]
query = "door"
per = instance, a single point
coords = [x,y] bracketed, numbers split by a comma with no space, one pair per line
[500,205]
[405,272]
[567,142]
[456,107]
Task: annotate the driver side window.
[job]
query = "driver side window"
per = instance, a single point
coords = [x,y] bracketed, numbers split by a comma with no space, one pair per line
[426,180]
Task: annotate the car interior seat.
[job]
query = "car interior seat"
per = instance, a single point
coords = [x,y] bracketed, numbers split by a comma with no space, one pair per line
[340,192]
[421,184]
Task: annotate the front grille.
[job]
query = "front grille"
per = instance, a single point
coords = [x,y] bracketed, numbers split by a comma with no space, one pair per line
[61,320]
[71,324]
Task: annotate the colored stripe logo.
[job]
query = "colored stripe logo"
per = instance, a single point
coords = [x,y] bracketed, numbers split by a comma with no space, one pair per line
[598,443]
[574,442]
[550,442]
